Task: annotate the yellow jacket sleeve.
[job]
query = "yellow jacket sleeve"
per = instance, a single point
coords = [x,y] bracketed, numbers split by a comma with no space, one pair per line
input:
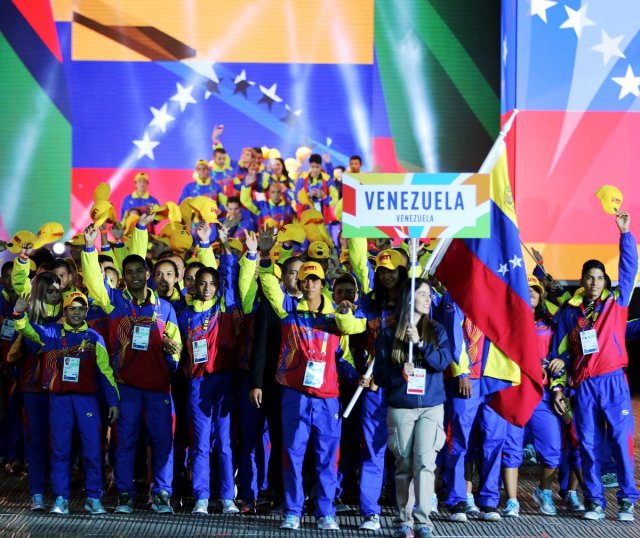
[360,262]
[24,327]
[206,256]
[273,292]
[93,280]
[20,276]
[139,241]
[172,331]
[102,360]
[246,201]
[349,324]
[247,283]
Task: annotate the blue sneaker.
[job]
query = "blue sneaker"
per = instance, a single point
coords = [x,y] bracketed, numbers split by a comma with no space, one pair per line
[544,499]
[37,503]
[94,506]
[625,510]
[610,480]
[291,523]
[529,455]
[403,531]
[162,503]
[512,509]
[60,506]
[423,532]
[572,502]
[328,523]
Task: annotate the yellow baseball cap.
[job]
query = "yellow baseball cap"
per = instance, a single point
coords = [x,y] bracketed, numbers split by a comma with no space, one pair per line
[48,233]
[318,250]
[291,232]
[206,209]
[236,244]
[68,298]
[102,192]
[533,282]
[141,175]
[274,153]
[302,153]
[181,241]
[310,269]
[101,212]
[344,256]
[275,252]
[130,223]
[170,211]
[311,216]
[170,228]
[389,259]
[187,211]
[202,161]
[76,241]
[19,239]
[610,198]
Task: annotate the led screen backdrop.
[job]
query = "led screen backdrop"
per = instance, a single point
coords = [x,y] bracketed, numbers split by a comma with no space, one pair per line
[572,68]
[100,89]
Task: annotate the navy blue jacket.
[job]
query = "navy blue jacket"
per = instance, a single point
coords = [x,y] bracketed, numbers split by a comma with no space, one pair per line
[388,374]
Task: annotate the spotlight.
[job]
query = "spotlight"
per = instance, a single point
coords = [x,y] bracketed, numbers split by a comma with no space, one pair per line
[59,248]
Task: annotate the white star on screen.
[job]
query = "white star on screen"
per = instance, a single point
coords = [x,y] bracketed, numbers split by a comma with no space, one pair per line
[515,261]
[145,147]
[161,118]
[609,47]
[539,8]
[628,84]
[184,97]
[577,20]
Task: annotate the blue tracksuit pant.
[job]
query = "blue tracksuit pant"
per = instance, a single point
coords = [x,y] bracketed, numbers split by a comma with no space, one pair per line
[305,417]
[493,430]
[81,411]
[599,400]
[253,458]
[36,432]
[210,404]
[157,409]
[546,429]
[374,444]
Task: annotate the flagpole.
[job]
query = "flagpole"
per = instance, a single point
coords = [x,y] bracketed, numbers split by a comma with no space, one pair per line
[533,258]
[412,316]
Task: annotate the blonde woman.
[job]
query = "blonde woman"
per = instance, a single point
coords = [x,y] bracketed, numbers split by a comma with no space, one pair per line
[414,392]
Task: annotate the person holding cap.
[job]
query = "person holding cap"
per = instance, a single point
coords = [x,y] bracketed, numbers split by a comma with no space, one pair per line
[145,346]
[139,198]
[311,354]
[589,344]
[74,363]
[316,189]
[414,393]
[275,207]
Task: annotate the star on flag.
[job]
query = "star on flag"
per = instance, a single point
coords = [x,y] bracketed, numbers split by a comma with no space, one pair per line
[242,84]
[577,20]
[160,118]
[515,261]
[628,84]
[184,97]
[504,269]
[269,95]
[539,8]
[609,47]
[145,147]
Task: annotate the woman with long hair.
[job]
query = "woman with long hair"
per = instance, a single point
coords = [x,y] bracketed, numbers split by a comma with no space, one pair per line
[414,393]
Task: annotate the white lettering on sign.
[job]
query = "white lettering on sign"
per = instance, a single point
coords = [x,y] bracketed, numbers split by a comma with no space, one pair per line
[391,205]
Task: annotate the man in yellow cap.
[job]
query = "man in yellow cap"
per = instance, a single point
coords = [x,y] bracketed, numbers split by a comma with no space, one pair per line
[202,184]
[139,198]
[311,354]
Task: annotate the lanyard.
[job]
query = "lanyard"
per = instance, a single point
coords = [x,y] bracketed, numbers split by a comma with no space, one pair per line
[134,312]
[325,340]
[589,320]
[205,324]
[63,337]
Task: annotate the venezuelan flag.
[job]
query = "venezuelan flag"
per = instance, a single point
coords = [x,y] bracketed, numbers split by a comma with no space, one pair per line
[487,278]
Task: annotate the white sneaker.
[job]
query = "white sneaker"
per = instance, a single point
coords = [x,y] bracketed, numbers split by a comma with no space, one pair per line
[201,508]
[328,523]
[370,523]
[229,507]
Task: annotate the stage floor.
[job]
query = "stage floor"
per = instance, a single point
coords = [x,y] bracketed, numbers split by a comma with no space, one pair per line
[16,520]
